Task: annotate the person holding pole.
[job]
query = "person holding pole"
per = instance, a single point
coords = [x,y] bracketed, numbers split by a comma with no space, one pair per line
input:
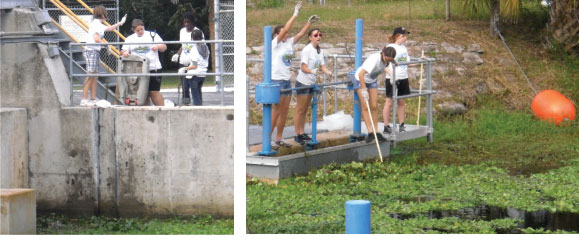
[312,62]
[91,54]
[150,51]
[282,54]
[366,85]
[397,40]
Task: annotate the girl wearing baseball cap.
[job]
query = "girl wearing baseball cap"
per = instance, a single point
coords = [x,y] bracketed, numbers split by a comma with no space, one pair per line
[397,41]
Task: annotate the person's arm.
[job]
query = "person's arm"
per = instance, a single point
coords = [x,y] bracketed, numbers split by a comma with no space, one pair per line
[161,47]
[306,69]
[116,25]
[289,22]
[302,32]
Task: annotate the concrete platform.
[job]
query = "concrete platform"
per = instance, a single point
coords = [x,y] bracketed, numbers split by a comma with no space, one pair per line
[334,147]
[18,211]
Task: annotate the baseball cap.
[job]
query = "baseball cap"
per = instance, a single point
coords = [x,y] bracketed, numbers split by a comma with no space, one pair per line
[400,30]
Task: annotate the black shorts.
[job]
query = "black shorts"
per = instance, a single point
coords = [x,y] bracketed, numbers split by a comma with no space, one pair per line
[155,81]
[402,86]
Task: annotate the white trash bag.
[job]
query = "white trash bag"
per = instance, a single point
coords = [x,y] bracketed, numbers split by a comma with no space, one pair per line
[103,104]
[336,121]
[169,103]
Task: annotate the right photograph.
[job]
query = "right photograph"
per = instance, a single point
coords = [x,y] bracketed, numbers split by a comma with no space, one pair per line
[414,117]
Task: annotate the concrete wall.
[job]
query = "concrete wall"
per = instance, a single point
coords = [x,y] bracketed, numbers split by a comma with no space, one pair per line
[13,148]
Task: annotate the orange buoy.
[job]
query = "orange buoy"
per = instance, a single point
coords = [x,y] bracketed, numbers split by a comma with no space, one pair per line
[554,107]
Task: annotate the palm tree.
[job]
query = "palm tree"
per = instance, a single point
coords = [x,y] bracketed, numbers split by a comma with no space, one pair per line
[563,24]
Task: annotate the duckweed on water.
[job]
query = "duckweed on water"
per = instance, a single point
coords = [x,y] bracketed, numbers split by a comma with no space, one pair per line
[414,182]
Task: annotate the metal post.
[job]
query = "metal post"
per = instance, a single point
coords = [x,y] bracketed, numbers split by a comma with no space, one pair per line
[247,114]
[325,91]
[335,79]
[70,73]
[394,104]
[358,219]
[216,27]
[221,70]
[429,123]
[267,93]
[357,63]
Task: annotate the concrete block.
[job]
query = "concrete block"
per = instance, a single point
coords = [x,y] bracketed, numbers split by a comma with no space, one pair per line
[14,148]
[17,211]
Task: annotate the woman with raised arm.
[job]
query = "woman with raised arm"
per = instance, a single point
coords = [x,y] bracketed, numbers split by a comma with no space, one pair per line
[96,31]
[312,62]
[282,55]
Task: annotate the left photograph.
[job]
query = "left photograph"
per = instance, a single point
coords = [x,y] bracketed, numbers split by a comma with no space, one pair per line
[116,116]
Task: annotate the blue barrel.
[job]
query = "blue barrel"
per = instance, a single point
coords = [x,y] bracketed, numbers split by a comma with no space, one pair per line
[358,217]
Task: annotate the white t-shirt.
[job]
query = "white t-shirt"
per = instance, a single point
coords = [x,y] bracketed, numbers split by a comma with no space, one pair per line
[96,26]
[313,60]
[281,58]
[202,63]
[145,49]
[373,66]
[401,56]
[184,35]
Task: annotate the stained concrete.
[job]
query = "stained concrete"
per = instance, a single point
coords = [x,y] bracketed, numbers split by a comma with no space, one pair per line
[18,211]
[14,148]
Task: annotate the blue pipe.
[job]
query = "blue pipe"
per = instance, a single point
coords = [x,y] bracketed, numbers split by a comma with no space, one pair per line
[267,94]
[358,62]
[358,217]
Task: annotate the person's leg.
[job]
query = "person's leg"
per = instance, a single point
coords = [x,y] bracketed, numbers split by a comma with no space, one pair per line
[157,98]
[303,102]
[185,87]
[86,87]
[283,108]
[93,85]
[364,109]
[196,84]
[401,111]
[373,95]
[386,111]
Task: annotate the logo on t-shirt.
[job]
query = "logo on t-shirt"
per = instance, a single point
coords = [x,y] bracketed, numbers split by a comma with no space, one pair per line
[317,64]
[287,57]
[141,50]
[187,48]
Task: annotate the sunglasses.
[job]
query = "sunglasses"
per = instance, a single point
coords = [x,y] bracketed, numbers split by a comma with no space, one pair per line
[317,35]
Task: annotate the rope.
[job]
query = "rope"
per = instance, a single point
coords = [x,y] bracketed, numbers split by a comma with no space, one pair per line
[517,62]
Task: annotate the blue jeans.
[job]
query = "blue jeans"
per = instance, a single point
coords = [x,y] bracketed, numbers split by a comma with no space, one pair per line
[195,84]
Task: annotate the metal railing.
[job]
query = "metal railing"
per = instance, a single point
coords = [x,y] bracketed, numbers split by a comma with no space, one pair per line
[219,73]
[343,85]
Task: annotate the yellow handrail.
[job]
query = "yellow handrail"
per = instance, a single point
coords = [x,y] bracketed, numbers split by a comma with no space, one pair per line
[80,22]
[76,41]
[106,23]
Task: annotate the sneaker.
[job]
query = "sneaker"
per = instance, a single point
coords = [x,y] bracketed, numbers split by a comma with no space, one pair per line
[84,102]
[401,128]
[381,138]
[369,137]
[299,139]
[274,145]
[186,101]
[387,130]
[93,102]
[282,143]
[306,137]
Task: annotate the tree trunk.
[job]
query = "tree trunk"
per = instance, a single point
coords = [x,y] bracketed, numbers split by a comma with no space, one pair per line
[563,24]
[447,8]
[495,8]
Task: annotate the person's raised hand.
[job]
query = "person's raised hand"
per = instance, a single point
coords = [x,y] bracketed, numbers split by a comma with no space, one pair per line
[297,8]
[123,20]
[314,18]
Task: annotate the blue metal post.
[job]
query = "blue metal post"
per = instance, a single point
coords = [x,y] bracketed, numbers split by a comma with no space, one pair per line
[358,62]
[267,93]
[358,217]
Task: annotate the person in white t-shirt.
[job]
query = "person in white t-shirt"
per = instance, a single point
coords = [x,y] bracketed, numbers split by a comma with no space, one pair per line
[366,85]
[198,63]
[397,40]
[182,56]
[282,54]
[91,54]
[312,62]
[151,52]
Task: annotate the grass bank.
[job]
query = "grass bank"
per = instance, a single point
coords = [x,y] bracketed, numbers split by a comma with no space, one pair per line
[55,224]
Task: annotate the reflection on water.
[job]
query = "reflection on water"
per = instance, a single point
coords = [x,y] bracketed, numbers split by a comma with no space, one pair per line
[537,219]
